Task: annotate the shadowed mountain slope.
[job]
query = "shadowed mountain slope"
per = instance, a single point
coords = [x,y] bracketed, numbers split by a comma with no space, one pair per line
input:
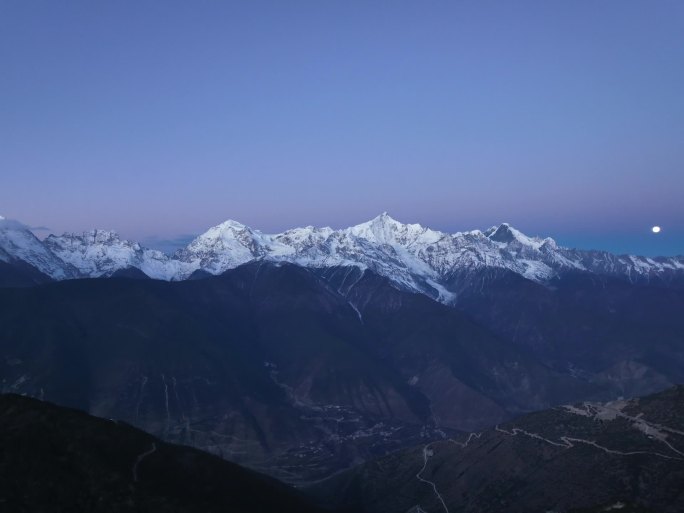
[20,274]
[270,366]
[628,336]
[54,459]
[624,455]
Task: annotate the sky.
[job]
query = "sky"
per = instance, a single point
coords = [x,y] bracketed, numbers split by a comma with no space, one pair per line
[159,119]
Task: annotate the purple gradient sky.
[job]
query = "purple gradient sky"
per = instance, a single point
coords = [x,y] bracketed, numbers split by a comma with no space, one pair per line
[563,118]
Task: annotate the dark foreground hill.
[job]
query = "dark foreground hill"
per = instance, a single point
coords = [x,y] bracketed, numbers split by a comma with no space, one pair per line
[54,459]
[591,457]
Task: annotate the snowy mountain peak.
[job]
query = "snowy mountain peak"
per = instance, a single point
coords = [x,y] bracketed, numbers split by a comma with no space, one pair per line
[99,253]
[379,229]
[386,219]
[226,235]
[501,233]
[383,229]
[549,244]
[226,226]
[17,242]
[506,234]
[222,247]
[411,256]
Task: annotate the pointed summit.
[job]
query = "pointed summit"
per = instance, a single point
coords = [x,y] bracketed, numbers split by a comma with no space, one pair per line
[506,234]
[225,235]
[382,229]
[385,219]
[231,224]
[381,220]
[227,229]
[223,247]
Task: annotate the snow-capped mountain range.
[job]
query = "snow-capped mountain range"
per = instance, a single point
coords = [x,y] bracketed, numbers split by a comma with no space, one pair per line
[411,256]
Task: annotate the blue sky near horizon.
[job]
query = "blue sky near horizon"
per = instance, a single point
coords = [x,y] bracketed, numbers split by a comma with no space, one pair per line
[160,119]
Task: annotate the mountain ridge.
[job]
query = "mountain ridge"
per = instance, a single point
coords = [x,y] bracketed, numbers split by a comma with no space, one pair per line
[413,257]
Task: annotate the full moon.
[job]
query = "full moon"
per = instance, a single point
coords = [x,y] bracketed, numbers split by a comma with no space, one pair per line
[655,229]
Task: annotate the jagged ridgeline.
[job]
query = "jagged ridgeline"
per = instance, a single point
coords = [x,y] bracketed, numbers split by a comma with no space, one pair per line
[413,257]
